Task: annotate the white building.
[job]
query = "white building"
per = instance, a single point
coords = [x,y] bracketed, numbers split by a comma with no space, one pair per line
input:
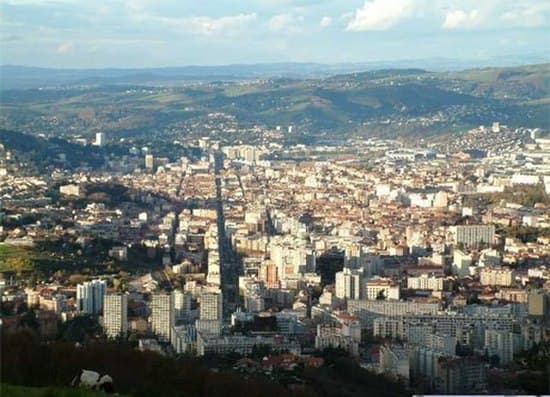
[425,282]
[497,276]
[89,296]
[182,305]
[100,139]
[379,288]
[162,315]
[348,284]
[501,344]
[474,235]
[115,315]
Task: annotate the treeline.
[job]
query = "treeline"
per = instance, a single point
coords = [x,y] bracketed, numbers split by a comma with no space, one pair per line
[27,361]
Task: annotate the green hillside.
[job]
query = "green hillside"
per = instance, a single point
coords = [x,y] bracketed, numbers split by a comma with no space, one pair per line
[384,100]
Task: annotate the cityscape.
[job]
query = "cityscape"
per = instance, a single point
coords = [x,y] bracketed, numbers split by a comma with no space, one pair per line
[276,229]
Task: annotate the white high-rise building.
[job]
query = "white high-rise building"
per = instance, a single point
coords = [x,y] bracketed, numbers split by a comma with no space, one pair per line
[501,344]
[211,306]
[348,284]
[210,313]
[149,161]
[89,296]
[115,315]
[162,315]
[100,139]
[182,305]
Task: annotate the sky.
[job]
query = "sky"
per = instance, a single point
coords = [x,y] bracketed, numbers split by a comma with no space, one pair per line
[154,33]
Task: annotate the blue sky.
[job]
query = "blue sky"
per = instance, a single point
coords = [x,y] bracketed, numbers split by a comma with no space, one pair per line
[147,33]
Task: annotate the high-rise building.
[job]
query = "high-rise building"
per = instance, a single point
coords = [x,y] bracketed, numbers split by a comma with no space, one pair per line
[182,305]
[348,284]
[115,315]
[211,306]
[210,313]
[162,315]
[100,139]
[89,296]
[149,161]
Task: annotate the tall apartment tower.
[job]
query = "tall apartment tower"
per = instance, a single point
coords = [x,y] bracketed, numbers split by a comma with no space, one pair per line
[149,161]
[210,313]
[211,306]
[115,315]
[100,139]
[162,315]
[182,305]
[89,296]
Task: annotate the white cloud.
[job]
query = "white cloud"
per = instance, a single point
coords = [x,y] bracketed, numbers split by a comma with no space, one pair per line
[208,26]
[288,23]
[325,21]
[64,48]
[462,19]
[381,14]
[528,15]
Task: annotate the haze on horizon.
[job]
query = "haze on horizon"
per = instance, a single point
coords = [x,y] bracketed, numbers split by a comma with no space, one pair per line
[155,33]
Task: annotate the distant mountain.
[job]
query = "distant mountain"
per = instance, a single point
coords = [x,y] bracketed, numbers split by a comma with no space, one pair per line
[14,76]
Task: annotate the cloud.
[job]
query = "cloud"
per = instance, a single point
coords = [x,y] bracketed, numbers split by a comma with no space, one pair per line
[462,19]
[325,21]
[208,26]
[381,14]
[288,23]
[528,15]
[64,48]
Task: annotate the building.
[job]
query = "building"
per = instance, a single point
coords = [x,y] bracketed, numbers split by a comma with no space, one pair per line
[244,344]
[89,296]
[100,139]
[210,313]
[348,284]
[381,289]
[539,304]
[459,375]
[496,276]
[115,315]
[394,360]
[461,263]
[149,161]
[162,315]
[182,305]
[425,282]
[211,306]
[500,344]
[475,235]
[368,310]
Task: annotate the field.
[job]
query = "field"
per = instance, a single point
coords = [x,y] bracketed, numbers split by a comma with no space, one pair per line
[18,259]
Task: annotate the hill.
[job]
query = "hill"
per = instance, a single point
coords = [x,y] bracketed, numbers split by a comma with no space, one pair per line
[388,101]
